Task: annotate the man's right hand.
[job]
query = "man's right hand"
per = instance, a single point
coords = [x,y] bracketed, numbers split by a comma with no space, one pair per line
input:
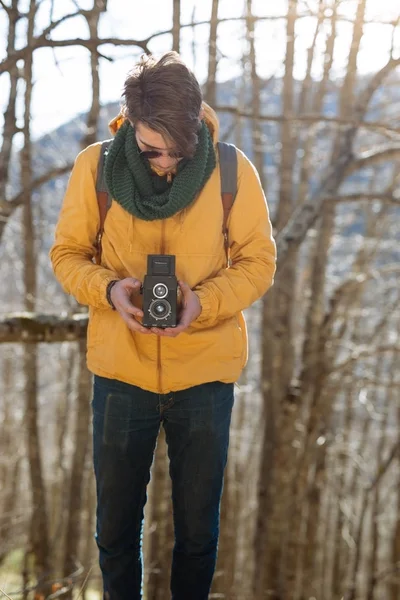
[120,296]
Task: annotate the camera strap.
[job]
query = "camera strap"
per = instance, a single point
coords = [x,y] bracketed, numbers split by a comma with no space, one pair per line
[228,170]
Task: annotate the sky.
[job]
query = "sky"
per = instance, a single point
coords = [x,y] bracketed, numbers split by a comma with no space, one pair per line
[62,76]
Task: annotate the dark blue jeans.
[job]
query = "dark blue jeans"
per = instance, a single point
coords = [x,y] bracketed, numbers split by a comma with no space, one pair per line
[126,422]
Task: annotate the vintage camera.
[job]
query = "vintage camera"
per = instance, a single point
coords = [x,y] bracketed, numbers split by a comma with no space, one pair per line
[160,290]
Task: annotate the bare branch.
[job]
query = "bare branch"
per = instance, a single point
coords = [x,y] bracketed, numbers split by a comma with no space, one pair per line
[34,328]
[223,20]
[75,3]
[378,126]
[4,594]
[363,352]
[389,198]
[90,44]
[303,15]
[101,55]
[383,467]
[395,28]
[55,24]
[6,8]
[42,40]
[7,207]
[374,84]
[388,571]
[367,159]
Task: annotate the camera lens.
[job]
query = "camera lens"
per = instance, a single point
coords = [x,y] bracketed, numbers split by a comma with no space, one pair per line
[160,290]
[159,309]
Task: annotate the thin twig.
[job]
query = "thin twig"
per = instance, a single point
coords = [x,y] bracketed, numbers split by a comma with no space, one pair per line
[6,8]
[84,583]
[2,591]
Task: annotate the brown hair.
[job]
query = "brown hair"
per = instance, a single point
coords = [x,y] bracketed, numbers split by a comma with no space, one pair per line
[165,96]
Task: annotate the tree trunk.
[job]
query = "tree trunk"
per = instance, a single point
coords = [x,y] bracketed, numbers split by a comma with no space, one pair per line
[307,572]
[340,550]
[316,104]
[10,459]
[75,504]
[39,536]
[393,586]
[89,549]
[9,125]
[375,533]
[256,127]
[92,18]
[276,374]
[59,499]
[176,25]
[351,592]
[210,95]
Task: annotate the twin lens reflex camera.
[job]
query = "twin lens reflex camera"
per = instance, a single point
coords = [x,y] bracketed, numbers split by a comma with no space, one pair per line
[160,290]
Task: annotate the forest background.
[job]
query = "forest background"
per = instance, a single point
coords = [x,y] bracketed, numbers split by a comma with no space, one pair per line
[310,90]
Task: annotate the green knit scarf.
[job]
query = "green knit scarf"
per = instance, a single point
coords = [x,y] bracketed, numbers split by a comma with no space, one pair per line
[131,183]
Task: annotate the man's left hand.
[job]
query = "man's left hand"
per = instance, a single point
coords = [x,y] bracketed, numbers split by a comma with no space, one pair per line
[191,309]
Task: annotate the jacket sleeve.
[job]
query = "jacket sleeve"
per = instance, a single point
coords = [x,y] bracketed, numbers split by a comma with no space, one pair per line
[252,253]
[74,247]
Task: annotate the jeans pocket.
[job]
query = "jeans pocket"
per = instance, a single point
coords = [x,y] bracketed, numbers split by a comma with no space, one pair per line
[111,417]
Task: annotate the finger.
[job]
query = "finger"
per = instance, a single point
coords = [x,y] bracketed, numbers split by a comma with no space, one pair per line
[185,289]
[133,310]
[167,332]
[184,323]
[131,281]
[170,335]
[134,325]
[132,285]
[158,331]
[173,332]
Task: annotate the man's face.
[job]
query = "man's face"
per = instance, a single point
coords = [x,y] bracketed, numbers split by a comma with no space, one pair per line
[148,139]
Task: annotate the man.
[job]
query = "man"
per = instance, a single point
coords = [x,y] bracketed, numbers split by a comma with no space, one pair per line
[162,171]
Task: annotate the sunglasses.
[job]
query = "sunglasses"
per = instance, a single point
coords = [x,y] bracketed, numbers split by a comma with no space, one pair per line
[158,154]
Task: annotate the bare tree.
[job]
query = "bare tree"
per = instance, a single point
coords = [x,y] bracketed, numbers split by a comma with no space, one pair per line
[39,534]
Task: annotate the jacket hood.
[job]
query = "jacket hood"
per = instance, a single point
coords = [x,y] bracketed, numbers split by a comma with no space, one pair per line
[210,118]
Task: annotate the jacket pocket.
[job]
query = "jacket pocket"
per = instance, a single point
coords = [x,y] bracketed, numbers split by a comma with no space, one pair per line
[223,342]
[241,328]
[238,338]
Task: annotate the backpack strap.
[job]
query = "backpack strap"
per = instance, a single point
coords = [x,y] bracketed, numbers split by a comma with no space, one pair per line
[103,196]
[228,168]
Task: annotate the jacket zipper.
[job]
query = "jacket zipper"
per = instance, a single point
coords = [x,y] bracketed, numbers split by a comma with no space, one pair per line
[159,377]
[159,373]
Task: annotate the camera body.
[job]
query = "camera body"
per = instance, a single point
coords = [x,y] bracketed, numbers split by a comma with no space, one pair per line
[160,291]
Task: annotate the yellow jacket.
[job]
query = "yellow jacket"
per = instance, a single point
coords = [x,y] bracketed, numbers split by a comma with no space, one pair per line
[214,348]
